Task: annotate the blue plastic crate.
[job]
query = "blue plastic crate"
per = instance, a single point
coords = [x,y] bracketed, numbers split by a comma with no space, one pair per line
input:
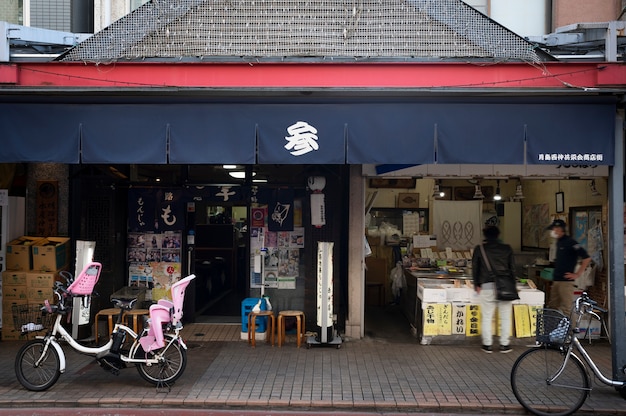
[246,307]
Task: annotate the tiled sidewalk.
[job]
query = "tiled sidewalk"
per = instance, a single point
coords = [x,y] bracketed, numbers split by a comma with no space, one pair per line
[364,375]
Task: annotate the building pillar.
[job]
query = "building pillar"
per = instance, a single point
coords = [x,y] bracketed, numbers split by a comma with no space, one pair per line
[355,322]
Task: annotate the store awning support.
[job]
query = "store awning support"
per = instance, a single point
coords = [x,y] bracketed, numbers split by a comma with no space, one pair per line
[616,253]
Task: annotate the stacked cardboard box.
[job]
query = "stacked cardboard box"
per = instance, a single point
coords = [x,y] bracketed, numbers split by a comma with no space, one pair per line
[33,266]
[13,293]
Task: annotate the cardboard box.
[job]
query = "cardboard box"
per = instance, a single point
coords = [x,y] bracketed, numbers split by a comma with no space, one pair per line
[7,312]
[19,253]
[50,253]
[36,294]
[14,293]
[13,278]
[10,334]
[41,280]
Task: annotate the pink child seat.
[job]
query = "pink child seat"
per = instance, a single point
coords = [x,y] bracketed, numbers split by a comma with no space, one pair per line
[165,311]
[86,280]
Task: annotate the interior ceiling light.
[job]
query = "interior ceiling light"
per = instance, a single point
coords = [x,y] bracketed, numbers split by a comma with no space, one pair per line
[518,191]
[437,192]
[594,190]
[497,196]
[240,174]
[478,192]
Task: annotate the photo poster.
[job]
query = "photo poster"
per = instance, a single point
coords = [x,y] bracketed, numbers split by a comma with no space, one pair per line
[154,259]
[281,263]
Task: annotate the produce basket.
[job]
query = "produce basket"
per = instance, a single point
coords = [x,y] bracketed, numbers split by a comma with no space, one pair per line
[30,318]
[552,327]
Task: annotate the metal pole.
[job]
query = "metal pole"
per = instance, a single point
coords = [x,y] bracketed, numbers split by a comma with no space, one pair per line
[616,253]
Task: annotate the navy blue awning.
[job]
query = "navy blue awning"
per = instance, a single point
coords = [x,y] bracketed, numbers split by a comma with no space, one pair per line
[571,134]
[391,133]
[211,134]
[512,131]
[123,133]
[39,133]
[300,133]
[479,133]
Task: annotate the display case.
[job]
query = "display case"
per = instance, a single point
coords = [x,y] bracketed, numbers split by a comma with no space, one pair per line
[443,308]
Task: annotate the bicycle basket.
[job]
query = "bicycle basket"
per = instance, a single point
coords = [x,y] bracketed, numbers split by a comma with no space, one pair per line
[30,318]
[552,327]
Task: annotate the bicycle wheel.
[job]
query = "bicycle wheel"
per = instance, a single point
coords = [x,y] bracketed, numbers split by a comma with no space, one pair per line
[529,381]
[171,366]
[37,377]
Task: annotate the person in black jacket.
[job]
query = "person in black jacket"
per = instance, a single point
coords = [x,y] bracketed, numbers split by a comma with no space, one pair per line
[500,258]
[568,251]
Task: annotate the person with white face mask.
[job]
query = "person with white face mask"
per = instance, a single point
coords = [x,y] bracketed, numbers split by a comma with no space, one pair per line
[568,251]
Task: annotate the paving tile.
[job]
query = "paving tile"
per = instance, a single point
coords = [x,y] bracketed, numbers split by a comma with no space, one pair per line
[223,371]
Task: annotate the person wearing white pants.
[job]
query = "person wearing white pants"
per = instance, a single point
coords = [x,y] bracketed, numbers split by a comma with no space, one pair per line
[499,261]
[488,305]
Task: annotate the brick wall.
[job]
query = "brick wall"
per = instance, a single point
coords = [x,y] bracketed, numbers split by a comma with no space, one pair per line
[565,12]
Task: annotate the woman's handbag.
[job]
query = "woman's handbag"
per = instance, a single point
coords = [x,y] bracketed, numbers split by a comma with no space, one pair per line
[506,288]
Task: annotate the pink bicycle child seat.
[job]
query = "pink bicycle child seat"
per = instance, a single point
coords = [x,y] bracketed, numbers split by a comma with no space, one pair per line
[86,280]
[178,296]
[159,315]
[163,312]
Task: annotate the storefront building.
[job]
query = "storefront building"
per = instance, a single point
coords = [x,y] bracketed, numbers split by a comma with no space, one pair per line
[300,120]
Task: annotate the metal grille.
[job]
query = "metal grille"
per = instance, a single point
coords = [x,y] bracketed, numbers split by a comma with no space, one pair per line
[97,227]
[318,29]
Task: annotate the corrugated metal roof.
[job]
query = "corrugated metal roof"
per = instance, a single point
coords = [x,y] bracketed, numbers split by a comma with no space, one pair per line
[425,30]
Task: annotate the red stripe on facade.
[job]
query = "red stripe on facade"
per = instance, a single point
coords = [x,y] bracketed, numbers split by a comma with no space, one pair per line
[315,75]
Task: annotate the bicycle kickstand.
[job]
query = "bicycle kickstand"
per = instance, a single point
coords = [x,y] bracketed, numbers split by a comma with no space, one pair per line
[162,385]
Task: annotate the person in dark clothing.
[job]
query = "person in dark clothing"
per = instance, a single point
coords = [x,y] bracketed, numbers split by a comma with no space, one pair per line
[568,251]
[500,258]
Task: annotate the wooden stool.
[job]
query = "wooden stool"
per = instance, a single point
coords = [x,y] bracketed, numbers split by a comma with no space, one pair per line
[299,315]
[271,323]
[109,313]
[135,314]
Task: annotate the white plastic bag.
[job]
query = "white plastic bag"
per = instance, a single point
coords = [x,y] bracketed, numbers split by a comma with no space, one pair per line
[398,281]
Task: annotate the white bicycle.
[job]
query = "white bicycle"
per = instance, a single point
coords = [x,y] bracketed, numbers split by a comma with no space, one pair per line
[159,352]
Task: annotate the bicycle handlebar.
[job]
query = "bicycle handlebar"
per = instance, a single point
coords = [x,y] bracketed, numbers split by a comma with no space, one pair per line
[585,300]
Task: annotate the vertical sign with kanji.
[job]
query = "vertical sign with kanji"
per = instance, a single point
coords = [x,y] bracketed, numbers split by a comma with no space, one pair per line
[473,327]
[459,318]
[429,327]
[444,312]
[47,208]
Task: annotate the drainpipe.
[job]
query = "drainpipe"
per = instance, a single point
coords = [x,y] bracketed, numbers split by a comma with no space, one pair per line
[26,13]
[616,253]
[107,13]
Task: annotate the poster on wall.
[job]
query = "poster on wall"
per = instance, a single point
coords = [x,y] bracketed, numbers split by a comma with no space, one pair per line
[280,257]
[150,264]
[534,223]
